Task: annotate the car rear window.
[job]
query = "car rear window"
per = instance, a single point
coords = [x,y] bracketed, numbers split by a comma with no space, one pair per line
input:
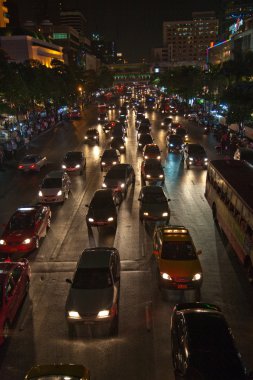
[177,250]
[51,183]
[92,278]
[29,160]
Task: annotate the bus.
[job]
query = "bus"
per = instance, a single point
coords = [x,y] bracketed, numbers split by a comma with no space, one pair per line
[229,192]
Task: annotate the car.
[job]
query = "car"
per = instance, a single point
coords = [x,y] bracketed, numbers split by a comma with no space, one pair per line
[174,127]
[73,114]
[55,187]
[175,143]
[139,118]
[26,227]
[153,204]
[74,161]
[152,171]
[118,131]
[102,117]
[178,265]
[192,116]
[58,371]
[108,127]
[119,178]
[102,210]
[94,294]
[146,122]
[119,144]
[182,132]
[32,163]
[14,286]
[203,345]
[92,136]
[152,151]
[112,106]
[143,129]
[166,122]
[195,155]
[109,158]
[144,139]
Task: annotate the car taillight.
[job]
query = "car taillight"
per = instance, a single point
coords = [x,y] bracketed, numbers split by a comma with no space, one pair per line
[20,166]
[32,166]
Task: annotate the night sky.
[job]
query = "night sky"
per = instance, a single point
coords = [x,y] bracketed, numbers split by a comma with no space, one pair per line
[136,26]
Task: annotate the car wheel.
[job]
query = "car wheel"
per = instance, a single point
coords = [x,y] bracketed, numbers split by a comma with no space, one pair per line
[37,242]
[71,330]
[6,331]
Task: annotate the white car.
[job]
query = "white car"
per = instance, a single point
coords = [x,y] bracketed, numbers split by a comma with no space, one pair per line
[55,187]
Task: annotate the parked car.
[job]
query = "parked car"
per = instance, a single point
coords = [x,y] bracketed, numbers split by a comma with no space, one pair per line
[55,187]
[119,178]
[26,227]
[32,163]
[203,346]
[102,210]
[74,161]
[14,285]
[94,294]
[195,155]
[153,204]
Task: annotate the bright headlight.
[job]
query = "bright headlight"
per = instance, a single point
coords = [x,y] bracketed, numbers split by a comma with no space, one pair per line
[85,137]
[40,194]
[158,157]
[91,220]
[102,163]
[73,314]
[27,241]
[197,277]
[148,175]
[191,159]
[122,185]
[171,145]
[104,185]
[140,144]
[63,166]
[165,214]
[161,176]
[2,242]
[145,213]
[59,193]
[95,137]
[77,166]
[166,276]
[114,163]
[122,147]
[145,157]
[162,123]
[103,314]
[110,219]
[205,159]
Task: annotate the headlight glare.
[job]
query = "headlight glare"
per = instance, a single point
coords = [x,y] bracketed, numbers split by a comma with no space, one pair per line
[27,241]
[197,277]
[103,314]
[73,314]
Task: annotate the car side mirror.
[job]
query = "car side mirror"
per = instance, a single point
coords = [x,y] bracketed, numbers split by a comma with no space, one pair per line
[199,252]
[68,281]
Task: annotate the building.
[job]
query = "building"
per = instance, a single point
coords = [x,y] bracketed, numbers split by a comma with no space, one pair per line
[75,19]
[186,41]
[4,19]
[105,50]
[233,11]
[22,48]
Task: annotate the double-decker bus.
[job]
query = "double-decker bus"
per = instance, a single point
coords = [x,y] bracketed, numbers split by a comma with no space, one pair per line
[229,192]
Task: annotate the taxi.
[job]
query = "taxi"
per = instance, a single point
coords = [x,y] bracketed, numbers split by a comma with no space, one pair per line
[177,258]
[59,372]
[14,285]
[25,228]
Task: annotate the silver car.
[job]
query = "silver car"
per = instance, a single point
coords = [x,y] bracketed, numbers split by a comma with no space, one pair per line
[32,163]
[93,297]
[55,187]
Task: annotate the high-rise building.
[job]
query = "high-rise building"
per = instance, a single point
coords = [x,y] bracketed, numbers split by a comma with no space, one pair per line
[4,18]
[188,40]
[75,19]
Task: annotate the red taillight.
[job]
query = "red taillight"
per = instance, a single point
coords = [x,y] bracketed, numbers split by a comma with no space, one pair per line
[32,166]
[155,252]
[20,166]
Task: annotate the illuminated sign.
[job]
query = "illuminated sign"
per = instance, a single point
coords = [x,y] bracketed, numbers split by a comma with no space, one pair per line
[235,27]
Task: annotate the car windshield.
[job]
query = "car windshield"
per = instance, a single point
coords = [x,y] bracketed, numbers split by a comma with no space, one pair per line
[154,197]
[21,221]
[153,165]
[176,139]
[52,183]
[73,156]
[93,132]
[178,250]
[197,150]
[110,155]
[152,150]
[116,174]
[29,160]
[102,201]
[92,278]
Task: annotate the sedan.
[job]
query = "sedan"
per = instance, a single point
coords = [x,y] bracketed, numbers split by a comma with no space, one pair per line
[144,139]
[74,161]
[102,210]
[25,228]
[119,178]
[151,151]
[153,204]
[109,158]
[195,155]
[94,294]
[32,163]
[152,171]
[92,136]
[166,122]
[119,144]
[14,285]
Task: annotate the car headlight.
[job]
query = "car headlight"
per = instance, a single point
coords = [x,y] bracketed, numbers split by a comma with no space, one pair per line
[91,220]
[95,137]
[104,185]
[2,242]
[98,118]
[40,194]
[165,214]
[158,157]
[59,193]
[122,147]
[197,277]
[85,137]
[114,163]
[110,219]
[26,241]
[140,144]
[148,175]
[161,176]
[102,163]
[166,276]
[145,157]
[73,314]
[122,185]
[162,123]
[205,159]
[186,137]
[190,158]
[171,145]
[103,314]
[146,213]
[77,166]
[63,166]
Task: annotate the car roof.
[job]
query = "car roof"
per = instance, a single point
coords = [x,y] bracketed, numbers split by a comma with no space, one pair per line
[152,146]
[103,193]
[174,232]
[98,257]
[196,306]
[55,174]
[119,167]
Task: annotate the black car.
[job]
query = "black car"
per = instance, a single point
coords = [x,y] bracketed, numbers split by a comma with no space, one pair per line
[92,136]
[146,122]
[144,139]
[153,204]
[74,161]
[142,129]
[118,131]
[109,158]
[119,144]
[195,155]
[102,117]
[93,297]
[203,346]
[183,133]
[108,127]
[175,143]
[138,120]
[119,178]
[152,171]
[102,210]
[166,122]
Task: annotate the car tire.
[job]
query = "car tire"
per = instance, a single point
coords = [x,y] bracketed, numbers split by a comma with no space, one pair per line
[197,294]
[101,169]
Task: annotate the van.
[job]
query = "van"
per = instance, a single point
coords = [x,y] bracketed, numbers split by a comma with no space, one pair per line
[245,154]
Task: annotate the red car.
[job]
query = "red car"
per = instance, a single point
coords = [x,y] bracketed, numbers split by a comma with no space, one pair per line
[14,285]
[25,228]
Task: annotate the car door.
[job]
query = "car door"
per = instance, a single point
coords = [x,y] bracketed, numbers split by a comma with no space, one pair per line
[11,299]
[19,279]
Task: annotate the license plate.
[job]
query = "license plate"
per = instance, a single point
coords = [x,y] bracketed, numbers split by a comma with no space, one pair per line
[182,286]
